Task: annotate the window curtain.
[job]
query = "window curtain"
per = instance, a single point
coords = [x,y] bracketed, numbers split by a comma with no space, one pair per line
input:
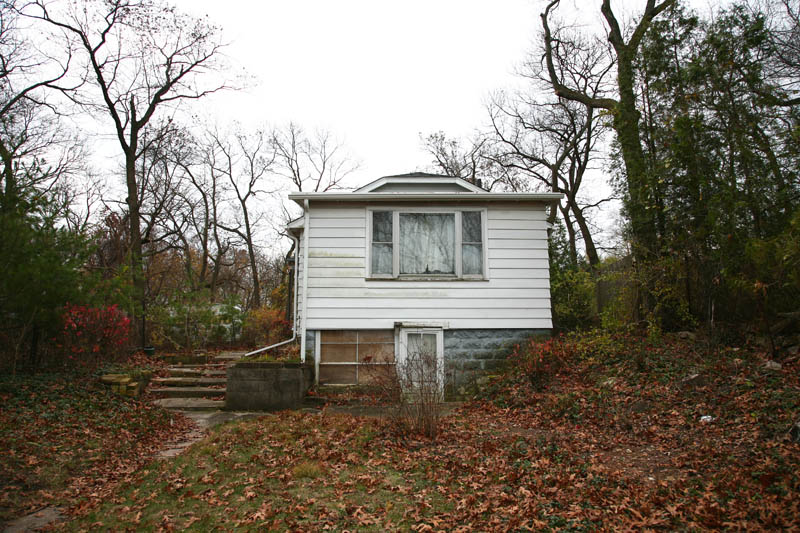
[427,243]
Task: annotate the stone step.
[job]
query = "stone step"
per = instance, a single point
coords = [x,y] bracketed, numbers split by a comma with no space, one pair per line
[188,392]
[188,381]
[190,404]
[232,354]
[228,357]
[217,365]
[188,359]
[179,371]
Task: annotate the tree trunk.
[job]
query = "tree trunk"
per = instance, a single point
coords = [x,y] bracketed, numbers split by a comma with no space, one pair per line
[626,124]
[137,268]
[588,241]
[251,252]
[573,249]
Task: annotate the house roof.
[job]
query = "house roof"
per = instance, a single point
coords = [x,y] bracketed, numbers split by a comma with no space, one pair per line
[451,183]
[420,186]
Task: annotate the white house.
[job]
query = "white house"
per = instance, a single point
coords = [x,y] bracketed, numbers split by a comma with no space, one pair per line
[418,260]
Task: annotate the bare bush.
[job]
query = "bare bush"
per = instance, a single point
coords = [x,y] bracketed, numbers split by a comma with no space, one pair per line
[413,390]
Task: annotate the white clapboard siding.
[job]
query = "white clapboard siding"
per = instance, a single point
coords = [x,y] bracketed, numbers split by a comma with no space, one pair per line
[519,262]
[515,234]
[334,222]
[441,313]
[517,213]
[339,252]
[516,295]
[518,253]
[461,323]
[299,290]
[335,262]
[518,244]
[335,273]
[323,294]
[328,232]
[516,225]
[463,286]
[333,243]
[430,303]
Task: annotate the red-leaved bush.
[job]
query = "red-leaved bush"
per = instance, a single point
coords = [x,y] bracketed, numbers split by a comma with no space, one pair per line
[540,360]
[93,335]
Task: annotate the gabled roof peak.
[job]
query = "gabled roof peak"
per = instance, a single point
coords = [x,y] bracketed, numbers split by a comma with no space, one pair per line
[420,175]
[417,179]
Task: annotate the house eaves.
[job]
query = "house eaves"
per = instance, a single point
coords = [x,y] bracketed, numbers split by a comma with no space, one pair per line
[548,197]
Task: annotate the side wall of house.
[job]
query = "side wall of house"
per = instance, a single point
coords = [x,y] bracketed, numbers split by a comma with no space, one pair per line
[516,295]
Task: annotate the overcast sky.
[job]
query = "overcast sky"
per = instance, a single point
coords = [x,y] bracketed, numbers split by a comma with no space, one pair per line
[375,74]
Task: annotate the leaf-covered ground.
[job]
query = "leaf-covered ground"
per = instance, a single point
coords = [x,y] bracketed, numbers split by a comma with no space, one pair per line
[65,438]
[615,442]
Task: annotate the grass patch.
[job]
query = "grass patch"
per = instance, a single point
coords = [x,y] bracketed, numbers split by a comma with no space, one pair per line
[61,434]
[307,470]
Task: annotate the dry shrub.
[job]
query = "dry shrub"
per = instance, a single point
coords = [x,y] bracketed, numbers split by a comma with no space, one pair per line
[265,326]
[413,391]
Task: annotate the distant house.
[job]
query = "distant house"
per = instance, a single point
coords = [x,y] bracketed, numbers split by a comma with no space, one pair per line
[418,260]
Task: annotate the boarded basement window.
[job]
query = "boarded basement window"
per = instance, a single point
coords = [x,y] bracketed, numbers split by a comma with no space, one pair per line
[349,357]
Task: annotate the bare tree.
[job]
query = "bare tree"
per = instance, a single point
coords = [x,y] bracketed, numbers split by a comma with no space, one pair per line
[203,194]
[245,161]
[474,159]
[783,68]
[552,139]
[622,108]
[29,129]
[140,55]
[311,164]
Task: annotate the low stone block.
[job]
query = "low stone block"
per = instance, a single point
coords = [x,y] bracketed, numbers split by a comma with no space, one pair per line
[115,379]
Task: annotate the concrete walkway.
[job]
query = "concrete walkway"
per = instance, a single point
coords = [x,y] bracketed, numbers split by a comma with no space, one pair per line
[204,420]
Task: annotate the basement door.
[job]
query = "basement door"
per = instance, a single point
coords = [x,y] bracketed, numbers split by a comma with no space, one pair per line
[420,359]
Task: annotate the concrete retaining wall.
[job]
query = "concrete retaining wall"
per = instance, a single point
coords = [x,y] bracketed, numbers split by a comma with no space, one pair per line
[267,386]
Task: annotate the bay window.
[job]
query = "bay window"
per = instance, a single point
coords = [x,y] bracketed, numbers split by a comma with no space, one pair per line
[426,244]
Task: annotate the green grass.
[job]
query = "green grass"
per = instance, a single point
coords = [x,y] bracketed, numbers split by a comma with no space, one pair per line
[57,431]
[289,472]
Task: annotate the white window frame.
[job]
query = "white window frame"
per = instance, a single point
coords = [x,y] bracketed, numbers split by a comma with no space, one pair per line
[395,275]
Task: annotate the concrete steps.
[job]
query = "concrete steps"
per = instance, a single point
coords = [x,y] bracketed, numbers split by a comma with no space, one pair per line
[188,392]
[190,404]
[195,382]
[199,371]
[188,381]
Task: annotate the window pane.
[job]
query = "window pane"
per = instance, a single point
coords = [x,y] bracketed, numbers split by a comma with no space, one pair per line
[471,226]
[427,243]
[382,259]
[419,365]
[471,259]
[421,343]
[381,226]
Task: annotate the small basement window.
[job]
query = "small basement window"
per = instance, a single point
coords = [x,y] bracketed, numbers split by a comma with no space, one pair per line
[427,244]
